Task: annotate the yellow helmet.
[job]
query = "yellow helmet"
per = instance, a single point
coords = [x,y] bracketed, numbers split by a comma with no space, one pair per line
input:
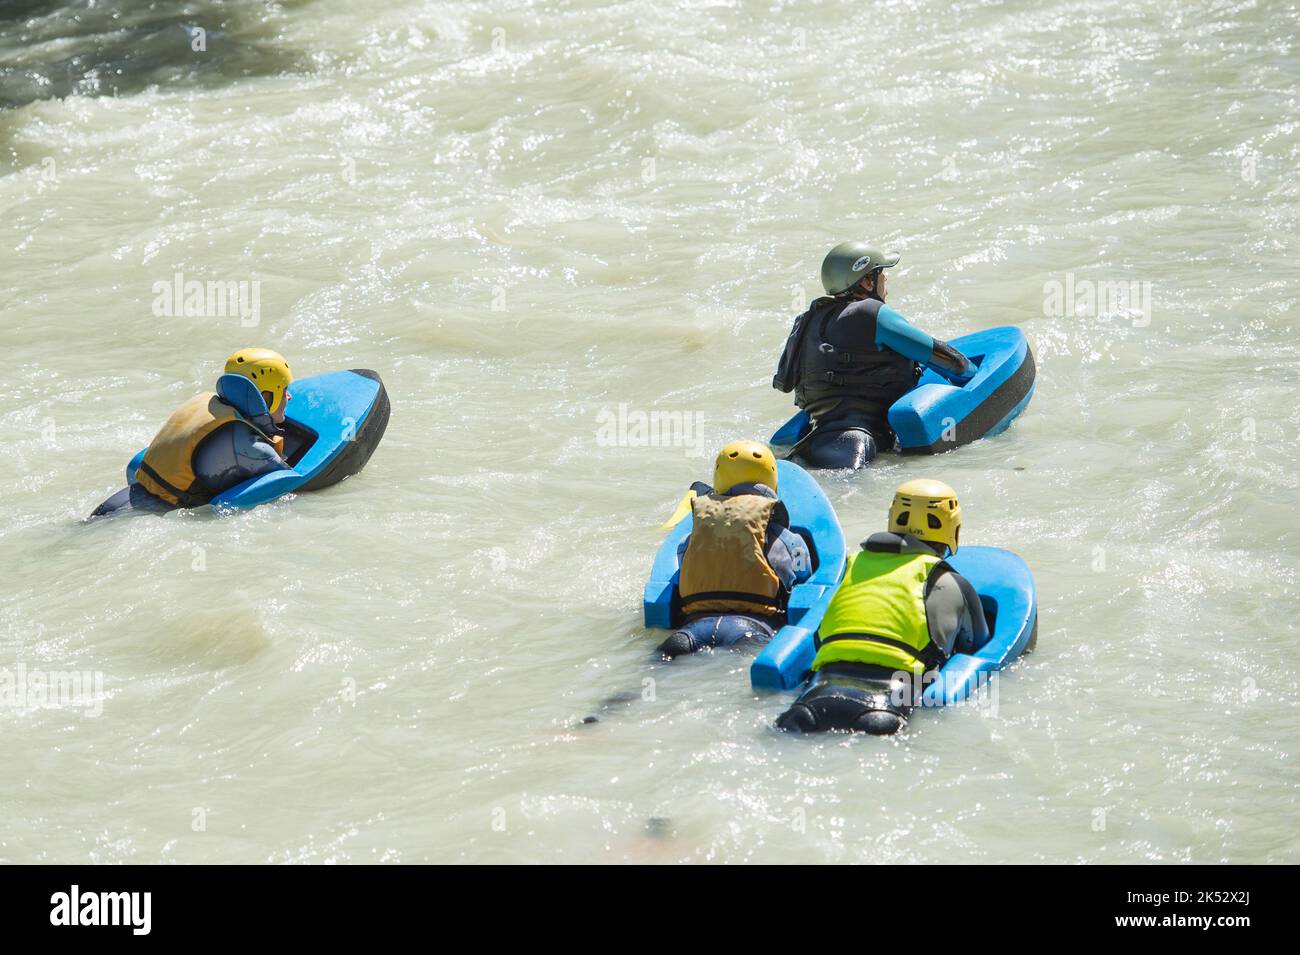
[928,510]
[265,368]
[744,462]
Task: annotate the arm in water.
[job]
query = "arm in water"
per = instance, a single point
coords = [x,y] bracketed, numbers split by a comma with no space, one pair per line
[895,333]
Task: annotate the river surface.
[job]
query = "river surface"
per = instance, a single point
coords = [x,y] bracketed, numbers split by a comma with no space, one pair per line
[524,215]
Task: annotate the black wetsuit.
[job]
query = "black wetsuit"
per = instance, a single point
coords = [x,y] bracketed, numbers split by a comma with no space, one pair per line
[847,360]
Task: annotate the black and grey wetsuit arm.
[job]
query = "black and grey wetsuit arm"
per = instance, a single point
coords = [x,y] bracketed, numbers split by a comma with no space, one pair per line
[894,332]
[789,556]
[232,454]
[954,613]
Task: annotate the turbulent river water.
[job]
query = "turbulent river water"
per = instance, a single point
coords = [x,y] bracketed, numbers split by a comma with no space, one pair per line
[526,215]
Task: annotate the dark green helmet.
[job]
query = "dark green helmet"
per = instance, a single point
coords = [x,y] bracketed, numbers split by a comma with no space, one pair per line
[849,262]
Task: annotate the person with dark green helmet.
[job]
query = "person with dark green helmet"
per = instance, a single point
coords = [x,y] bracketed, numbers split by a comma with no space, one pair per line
[851,356]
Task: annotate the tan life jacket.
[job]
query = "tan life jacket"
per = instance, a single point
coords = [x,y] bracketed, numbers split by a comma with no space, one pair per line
[167,470]
[725,567]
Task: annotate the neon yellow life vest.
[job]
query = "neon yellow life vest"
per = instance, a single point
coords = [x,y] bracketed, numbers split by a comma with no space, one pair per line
[167,470]
[877,615]
[725,567]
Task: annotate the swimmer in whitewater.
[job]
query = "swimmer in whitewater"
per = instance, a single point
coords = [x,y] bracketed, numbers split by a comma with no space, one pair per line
[851,356]
[741,558]
[899,613]
[215,440]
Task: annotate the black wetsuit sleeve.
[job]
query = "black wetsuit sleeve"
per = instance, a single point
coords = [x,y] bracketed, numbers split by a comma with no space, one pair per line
[977,634]
[953,613]
[949,362]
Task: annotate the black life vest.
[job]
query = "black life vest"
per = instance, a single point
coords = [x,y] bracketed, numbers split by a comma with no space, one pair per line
[831,379]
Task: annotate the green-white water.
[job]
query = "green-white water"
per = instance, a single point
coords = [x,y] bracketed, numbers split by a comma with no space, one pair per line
[523,216]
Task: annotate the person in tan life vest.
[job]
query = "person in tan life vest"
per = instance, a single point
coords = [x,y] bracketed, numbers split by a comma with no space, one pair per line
[741,558]
[215,440]
[899,613]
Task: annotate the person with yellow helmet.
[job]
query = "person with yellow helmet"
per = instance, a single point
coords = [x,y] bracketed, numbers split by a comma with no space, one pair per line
[741,558]
[850,356]
[899,612]
[215,440]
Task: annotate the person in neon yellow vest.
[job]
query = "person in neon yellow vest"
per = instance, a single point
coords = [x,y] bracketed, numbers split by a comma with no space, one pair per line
[899,612]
